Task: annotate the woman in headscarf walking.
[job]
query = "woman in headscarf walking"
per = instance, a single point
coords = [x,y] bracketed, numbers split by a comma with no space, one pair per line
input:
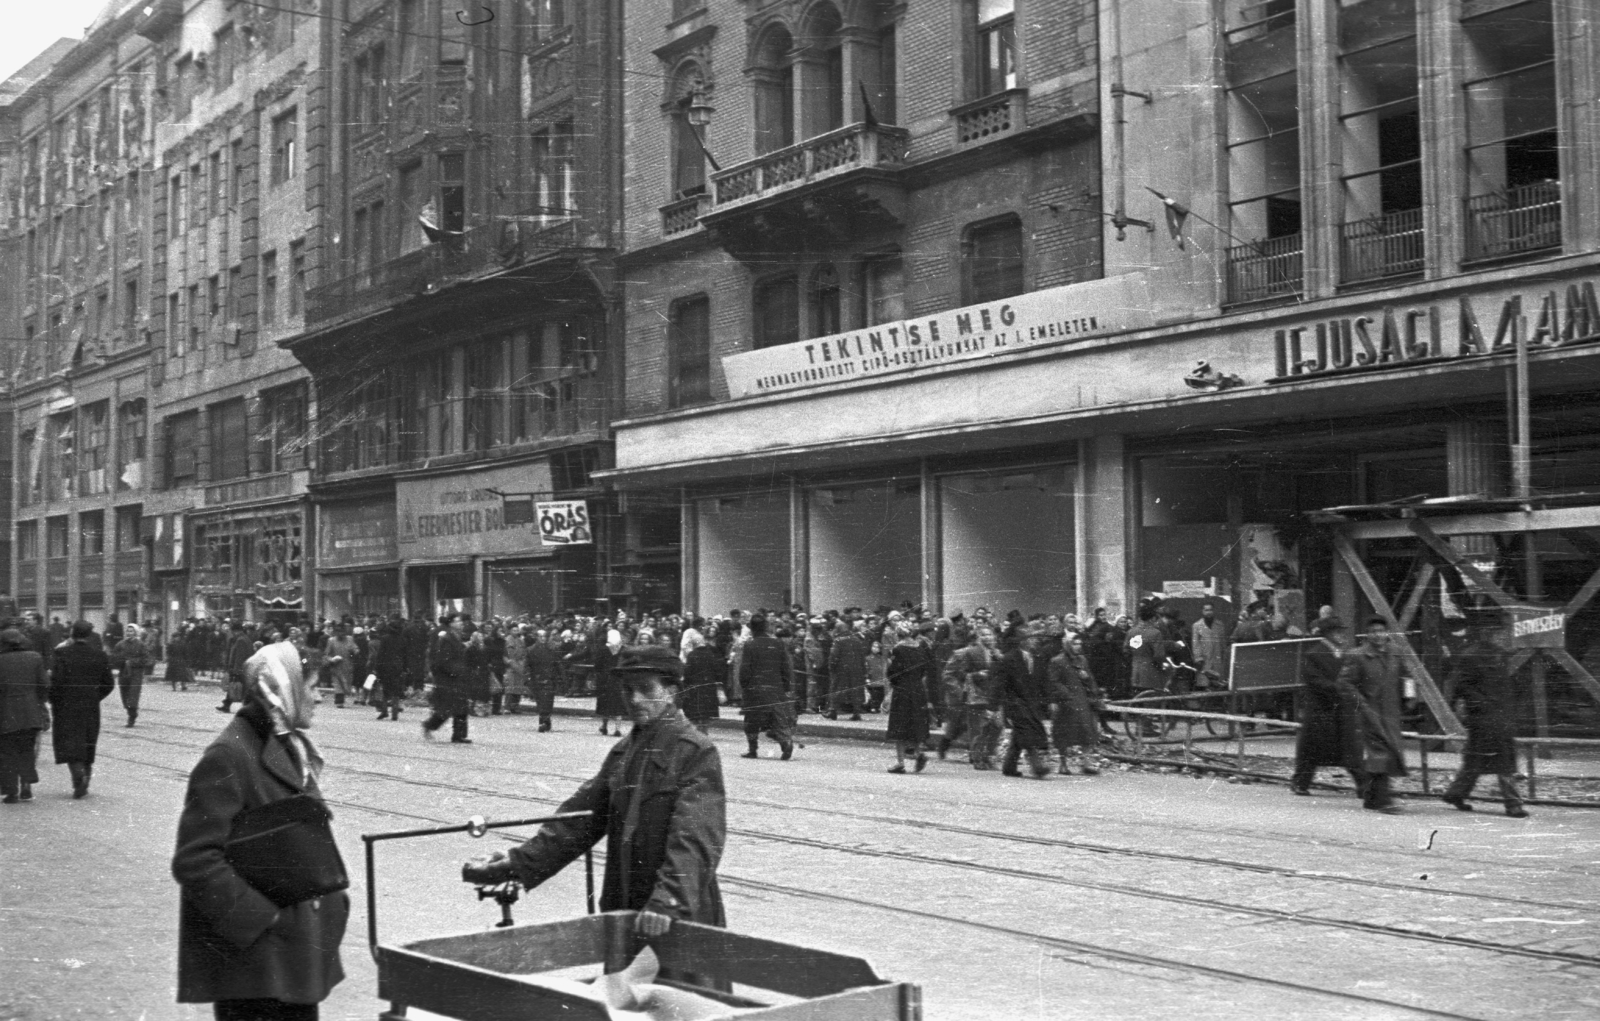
[238,950]
[911,676]
[702,675]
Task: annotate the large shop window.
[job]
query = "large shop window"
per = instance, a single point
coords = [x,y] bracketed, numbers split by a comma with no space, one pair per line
[866,544]
[744,551]
[1007,540]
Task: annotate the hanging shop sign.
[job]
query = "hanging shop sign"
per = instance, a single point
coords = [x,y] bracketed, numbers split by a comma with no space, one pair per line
[487,512]
[564,523]
[1403,334]
[1537,627]
[356,534]
[1052,316]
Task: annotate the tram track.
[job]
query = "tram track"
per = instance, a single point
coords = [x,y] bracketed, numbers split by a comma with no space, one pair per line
[1100,887]
[1072,946]
[1077,844]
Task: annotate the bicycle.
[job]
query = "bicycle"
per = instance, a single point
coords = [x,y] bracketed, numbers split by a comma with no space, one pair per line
[1140,727]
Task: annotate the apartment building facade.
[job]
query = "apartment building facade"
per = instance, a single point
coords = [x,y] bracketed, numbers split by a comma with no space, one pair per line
[458,335]
[1369,200]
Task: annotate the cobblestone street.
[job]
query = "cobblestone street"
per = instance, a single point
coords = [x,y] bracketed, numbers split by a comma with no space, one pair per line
[1120,896]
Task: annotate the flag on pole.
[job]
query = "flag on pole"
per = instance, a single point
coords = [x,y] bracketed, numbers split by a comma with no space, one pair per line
[1177,215]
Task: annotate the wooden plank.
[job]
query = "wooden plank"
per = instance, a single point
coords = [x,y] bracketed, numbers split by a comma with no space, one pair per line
[1584,595]
[1380,604]
[1451,556]
[765,964]
[1547,520]
[1408,612]
[1578,671]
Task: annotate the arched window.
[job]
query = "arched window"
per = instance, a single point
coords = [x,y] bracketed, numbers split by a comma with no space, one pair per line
[821,57]
[773,77]
[825,301]
[688,155]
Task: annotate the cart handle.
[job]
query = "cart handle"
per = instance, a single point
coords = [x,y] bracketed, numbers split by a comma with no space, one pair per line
[477,826]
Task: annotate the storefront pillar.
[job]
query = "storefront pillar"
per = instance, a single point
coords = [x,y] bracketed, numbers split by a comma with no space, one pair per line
[932,542]
[688,552]
[799,545]
[1103,516]
[405,593]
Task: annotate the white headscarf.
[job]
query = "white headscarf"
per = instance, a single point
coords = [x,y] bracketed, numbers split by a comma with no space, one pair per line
[274,673]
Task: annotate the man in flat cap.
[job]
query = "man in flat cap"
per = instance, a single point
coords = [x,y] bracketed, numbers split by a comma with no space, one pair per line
[658,803]
[1330,710]
[1483,690]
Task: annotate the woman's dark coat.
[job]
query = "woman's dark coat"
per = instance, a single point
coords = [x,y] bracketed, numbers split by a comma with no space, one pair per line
[79,681]
[610,700]
[1075,695]
[234,943]
[1484,691]
[912,675]
[1330,714]
[658,803]
[387,660]
[847,670]
[697,697]
[1025,694]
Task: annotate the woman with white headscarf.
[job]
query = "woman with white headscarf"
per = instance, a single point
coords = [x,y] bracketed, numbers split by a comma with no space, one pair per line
[237,949]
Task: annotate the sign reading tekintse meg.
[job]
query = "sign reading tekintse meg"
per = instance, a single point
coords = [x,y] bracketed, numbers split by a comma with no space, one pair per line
[1071,312]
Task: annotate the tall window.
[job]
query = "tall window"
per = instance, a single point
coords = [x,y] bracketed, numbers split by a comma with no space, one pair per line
[688,157]
[453,191]
[1513,153]
[285,129]
[30,467]
[183,449]
[130,445]
[175,335]
[777,312]
[773,77]
[406,224]
[452,37]
[130,311]
[297,278]
[91,533]
[27,540]
[219,185]
[95,426]
[689,351]
[269,288]
[226,54]
[996,44]
[369,89]
[553,169]
[993,263]
[236,172]
[61,458]
[410,37]
[229,441]
[282,437]
[128,521]
[823,72]
[484,422]
[57,536]
[175,207]
[1381,145]
[826,296]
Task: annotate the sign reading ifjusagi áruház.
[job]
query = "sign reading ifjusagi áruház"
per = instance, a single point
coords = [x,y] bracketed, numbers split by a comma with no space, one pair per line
[995,328]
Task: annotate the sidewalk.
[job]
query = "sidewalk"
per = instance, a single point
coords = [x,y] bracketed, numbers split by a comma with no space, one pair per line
[1579,763]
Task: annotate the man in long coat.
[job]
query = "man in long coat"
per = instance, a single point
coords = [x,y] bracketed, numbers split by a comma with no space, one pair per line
[1020,678]
[544,667]
[658,803]
[1484,692]
[450,681]
[1374,670]
[79,681]
[1146,647]
[1330,711]
[766,679]
[847,671]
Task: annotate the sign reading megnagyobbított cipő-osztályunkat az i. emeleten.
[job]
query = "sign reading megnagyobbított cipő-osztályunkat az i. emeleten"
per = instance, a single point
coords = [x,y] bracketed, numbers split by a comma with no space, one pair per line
[992,329]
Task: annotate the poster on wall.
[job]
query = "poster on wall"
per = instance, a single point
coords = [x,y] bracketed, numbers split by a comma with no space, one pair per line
[564,523]
[471,513]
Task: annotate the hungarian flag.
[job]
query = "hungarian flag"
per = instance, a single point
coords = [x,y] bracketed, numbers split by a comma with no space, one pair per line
[428,216]
[1177,215]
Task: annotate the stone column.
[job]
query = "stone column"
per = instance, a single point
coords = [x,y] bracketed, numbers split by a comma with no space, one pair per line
[688,553]
[799,545]
[1102,549]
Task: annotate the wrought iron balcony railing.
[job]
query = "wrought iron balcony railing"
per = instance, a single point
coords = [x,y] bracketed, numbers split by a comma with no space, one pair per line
[830,154]
[1518,220]
[1270,268]
[1381,246]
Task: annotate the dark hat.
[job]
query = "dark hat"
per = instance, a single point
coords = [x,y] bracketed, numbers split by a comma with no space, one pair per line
[82,629]
[1323,625]
[649,659]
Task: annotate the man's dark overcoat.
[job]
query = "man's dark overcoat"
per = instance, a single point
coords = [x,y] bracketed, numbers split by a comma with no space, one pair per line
[1330,714]
[1024,692]
[79,681]
[658,803]
[1376,676]
[234,943]
[1489,710]
[1072,689]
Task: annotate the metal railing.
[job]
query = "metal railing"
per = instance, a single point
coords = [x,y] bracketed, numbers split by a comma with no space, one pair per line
[826,155]
[1265,269]
[1522,219]
[1381,246]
